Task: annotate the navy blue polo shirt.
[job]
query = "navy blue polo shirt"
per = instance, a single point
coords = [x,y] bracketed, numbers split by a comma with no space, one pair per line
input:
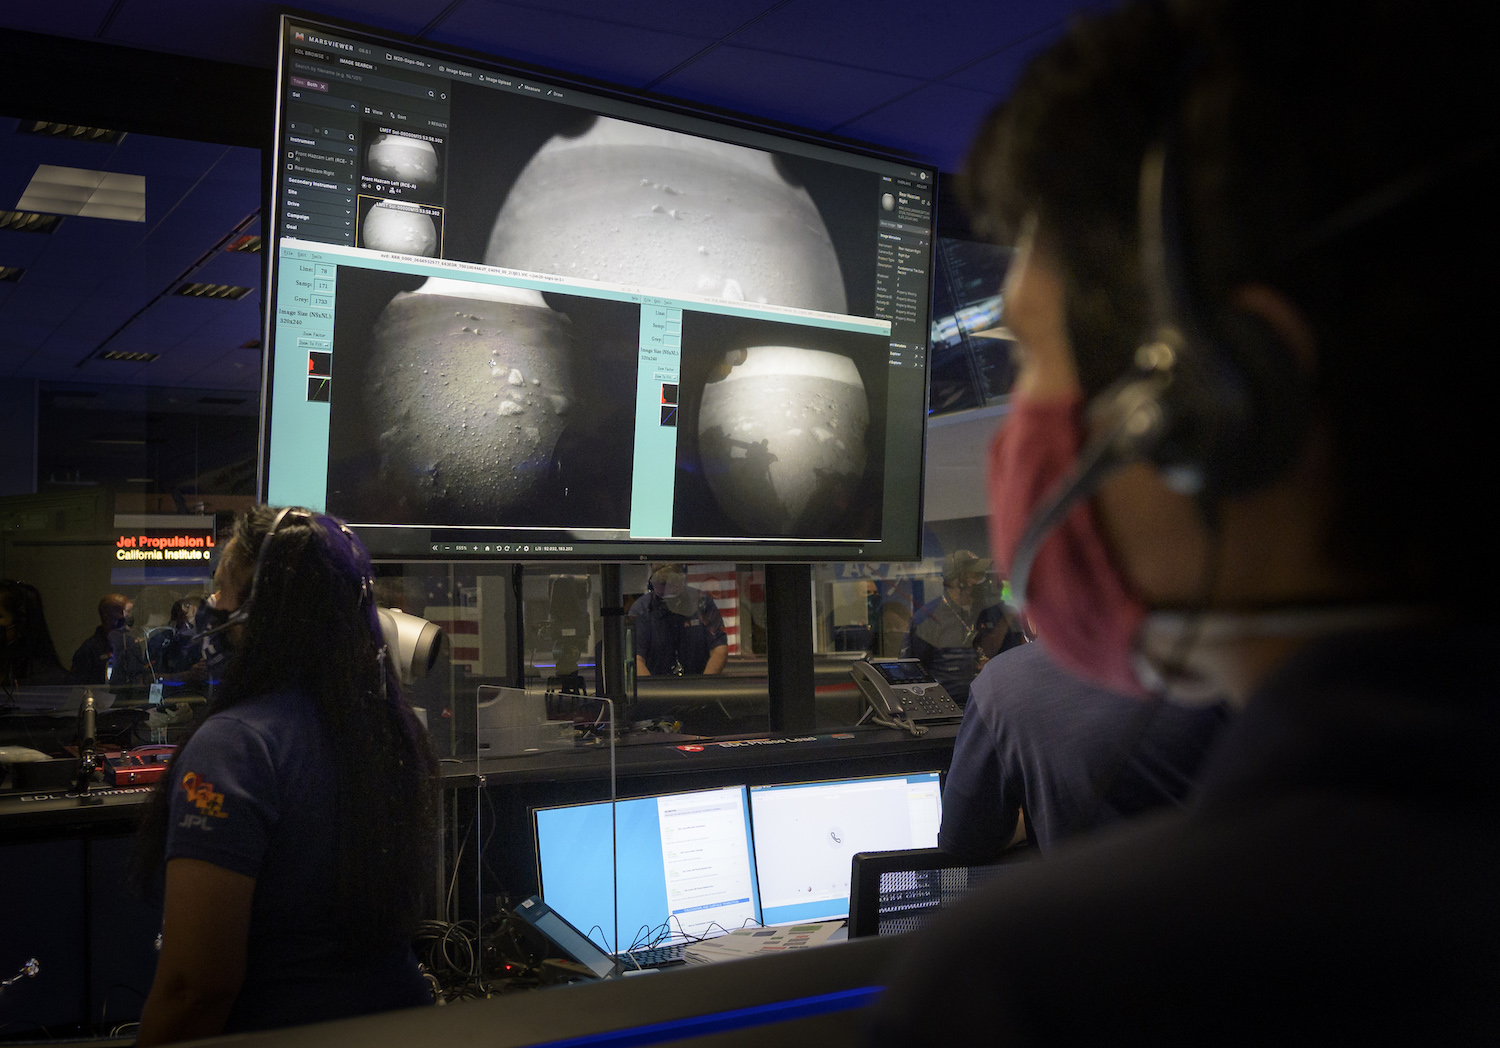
[1072,755]
[254,793]
[666,639]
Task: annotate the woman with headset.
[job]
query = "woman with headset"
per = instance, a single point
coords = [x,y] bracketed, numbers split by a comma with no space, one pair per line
[296,826]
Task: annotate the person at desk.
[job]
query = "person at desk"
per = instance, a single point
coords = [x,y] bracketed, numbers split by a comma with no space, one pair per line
[27,655]
[1067,754]
[296,827]
[171,648]
[1250,299]
[956,634]
[112,654]
[678,629]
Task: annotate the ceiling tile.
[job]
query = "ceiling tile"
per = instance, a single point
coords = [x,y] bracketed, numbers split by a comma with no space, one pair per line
[400,16]
[235,369]
[936,122]
[609,51]
[243,31]
[794,90]
[702,18]
[59,17]
[998,73]
[895,36]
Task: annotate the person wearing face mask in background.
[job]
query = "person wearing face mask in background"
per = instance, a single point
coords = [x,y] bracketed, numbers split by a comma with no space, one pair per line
[1251,298]
[171,647]
[678,629]
[112,654]
[954,635]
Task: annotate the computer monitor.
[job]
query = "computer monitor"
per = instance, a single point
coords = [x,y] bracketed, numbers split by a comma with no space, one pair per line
[807,833]
[679,864]
[513,319]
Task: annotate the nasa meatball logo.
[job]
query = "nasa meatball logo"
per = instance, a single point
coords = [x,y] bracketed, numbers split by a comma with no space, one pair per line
[691,749]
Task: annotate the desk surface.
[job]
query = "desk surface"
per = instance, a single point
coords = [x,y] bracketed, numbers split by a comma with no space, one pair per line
[58,812]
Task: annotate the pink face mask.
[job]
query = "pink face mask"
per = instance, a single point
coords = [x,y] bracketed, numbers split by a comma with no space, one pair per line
[1077,599]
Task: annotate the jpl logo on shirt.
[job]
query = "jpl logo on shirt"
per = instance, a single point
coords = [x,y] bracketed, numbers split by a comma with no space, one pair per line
[208,801]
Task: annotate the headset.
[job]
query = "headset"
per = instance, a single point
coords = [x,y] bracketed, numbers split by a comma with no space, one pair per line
[241,615]
[1217,402]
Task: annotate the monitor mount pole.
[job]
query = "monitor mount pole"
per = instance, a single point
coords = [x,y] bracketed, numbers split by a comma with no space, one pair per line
[610,678]
[789,648]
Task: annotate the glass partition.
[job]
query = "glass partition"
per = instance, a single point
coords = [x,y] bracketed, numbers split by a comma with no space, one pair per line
[950,610]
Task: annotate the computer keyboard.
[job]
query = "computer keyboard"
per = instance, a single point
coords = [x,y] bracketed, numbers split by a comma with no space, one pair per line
[655,956]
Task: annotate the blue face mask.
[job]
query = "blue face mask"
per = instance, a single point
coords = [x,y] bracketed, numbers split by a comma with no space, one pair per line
[213,631]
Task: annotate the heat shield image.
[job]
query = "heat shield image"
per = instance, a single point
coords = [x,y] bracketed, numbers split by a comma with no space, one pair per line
[401,163]
[782,441]
[598,198]
[632,204]
[390,225]
[474,404]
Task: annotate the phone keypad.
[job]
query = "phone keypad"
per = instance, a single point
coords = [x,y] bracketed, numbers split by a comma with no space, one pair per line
[925,702]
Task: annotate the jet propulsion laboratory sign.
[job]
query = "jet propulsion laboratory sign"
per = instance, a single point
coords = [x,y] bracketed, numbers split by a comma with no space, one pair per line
[163,548]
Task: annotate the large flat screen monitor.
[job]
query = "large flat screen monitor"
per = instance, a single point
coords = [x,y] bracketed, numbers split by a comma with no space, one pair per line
[807,833]
[512,319]
[679,865]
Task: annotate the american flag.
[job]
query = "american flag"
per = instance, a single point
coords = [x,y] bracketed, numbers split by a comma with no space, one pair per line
[462,627]
[719,582]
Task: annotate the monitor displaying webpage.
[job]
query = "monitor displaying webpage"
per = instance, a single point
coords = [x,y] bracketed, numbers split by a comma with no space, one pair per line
[512,318]
[679,864]
[806,834]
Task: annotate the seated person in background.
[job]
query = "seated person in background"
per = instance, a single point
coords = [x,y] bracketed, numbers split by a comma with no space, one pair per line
[1068,754]
[27,655]
[297,826]
[956,634]
[1252,300]
[678,629]
[112,654]
[170,647]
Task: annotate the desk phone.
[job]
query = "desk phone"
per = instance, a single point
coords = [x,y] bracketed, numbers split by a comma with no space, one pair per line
[894,686]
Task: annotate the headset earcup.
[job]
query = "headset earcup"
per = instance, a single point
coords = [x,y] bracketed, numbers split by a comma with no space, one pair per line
[1268,388]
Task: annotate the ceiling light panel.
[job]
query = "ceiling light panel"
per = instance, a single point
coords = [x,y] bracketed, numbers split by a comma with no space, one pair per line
[29,222]
[223,291]
[71,132]
[87,194]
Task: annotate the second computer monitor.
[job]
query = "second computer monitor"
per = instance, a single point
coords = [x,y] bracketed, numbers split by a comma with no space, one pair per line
[807,833]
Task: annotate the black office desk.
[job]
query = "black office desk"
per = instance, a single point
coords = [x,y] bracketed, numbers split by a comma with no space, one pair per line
[63,864]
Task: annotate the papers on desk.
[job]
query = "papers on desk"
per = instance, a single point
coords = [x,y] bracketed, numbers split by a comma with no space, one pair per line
[753,942]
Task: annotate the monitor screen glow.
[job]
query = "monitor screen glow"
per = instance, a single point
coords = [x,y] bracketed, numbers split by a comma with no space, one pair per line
[807,833]
[679,864]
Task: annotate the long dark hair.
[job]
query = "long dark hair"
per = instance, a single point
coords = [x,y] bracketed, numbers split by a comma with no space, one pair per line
[312,629]
[33,653]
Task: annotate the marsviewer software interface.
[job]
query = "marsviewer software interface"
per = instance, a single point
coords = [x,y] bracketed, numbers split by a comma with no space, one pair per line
[515,318]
